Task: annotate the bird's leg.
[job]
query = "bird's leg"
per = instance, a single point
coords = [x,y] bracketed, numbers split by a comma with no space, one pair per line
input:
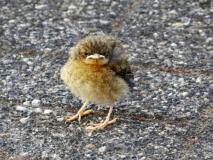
[79,114]
[103,124]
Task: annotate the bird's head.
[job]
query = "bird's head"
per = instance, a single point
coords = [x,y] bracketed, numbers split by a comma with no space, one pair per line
[94,50]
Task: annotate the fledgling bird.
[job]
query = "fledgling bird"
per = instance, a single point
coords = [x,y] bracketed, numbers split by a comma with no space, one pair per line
[97,71]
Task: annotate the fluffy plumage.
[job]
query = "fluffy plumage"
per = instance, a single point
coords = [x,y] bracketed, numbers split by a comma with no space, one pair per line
[97,70]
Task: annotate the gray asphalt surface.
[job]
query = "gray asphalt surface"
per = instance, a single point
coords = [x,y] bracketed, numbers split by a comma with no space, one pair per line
[169,115]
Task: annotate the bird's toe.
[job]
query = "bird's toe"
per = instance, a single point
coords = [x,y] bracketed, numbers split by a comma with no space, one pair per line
[77,116]
[101,125]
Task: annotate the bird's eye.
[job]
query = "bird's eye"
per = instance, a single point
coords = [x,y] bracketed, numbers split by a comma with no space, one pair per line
[86,54]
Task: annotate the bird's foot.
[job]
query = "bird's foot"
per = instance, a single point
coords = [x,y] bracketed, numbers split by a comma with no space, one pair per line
[78,115]
[101,125]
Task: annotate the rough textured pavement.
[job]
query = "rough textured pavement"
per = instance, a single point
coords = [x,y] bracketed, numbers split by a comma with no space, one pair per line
[169,115]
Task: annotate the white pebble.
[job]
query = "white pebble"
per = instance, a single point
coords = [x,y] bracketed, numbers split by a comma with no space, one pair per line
[47,50]
[136,79]
[102,149]
[155,34]
[47,111]
[198,80]
[60,119]
[174,45]
[104,22]
[71,7]
[37,110]
[24,120]
[114,3]
[12,21]
[164,107]
[122,156]
[182,82]
[26,103]
[21,108]
[185,94]
[36,102]
[40,6]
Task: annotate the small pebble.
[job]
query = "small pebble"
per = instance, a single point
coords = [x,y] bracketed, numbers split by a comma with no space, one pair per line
[181,81]
[36,102]
[47,111]
[71,7]
[164,107]
[104,22]
[26,103]
[177,24]
[37,110]
[122,156]
[136,79]
[185,94]
[60,119]
[198,80]
[102,149]
[40,6]
[24,120]
[155,34]
[174,45]
[21,108]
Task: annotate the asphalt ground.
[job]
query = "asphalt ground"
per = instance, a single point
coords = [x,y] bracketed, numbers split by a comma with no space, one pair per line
[169,114]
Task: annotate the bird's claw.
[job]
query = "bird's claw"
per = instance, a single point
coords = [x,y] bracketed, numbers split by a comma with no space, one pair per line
[78,116]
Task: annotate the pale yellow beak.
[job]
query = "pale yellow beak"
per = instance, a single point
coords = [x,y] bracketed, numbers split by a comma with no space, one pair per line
[96,59]
[95,56]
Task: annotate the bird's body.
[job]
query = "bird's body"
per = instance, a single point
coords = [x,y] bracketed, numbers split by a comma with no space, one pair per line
[98,85]
[95,73]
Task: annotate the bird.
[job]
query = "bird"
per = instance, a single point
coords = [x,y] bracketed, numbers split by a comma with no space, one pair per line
[97,71]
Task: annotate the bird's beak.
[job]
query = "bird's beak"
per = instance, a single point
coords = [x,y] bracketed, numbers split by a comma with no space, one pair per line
[96,59]
[96,56]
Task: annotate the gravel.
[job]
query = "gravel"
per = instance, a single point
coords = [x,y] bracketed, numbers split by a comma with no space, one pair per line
[167,116]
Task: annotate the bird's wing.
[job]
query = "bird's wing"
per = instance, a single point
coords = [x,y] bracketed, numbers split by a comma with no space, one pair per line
[120,65]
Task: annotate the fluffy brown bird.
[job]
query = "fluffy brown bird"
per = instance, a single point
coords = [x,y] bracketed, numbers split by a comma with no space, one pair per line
[97,71]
